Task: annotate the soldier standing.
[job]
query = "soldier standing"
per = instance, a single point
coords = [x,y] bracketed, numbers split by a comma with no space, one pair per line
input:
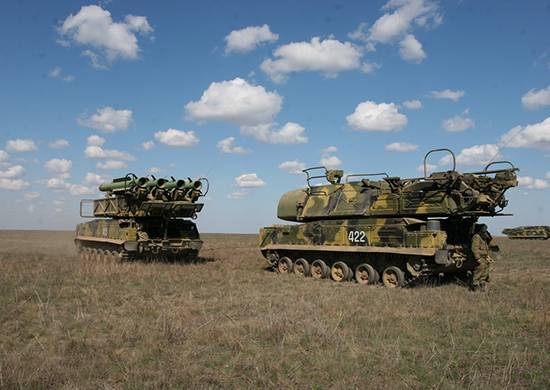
[480,249]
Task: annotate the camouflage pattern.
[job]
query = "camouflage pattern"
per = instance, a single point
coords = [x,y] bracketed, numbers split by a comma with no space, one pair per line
[416,226]
[481,243]
[143,218]
[528,233]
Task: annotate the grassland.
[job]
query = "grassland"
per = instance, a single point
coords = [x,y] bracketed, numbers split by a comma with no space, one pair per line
[228,323]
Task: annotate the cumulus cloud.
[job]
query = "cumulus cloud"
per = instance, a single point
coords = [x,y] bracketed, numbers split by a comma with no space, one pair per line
[330,162]
[31,195]
[148,145]
[112,164]
[59,166]
[458,123]
[401,147]
[57,73]
[93,27]
[248,38]
[290,133]
[80,189]
[21,145]
[328,57]
[412,104]
[250,106]
[329,149]
[532,183]
[95,140]
[447,94]
[293,166]
[249,180]
[238,194]
[476,155]
[12,172]
[535,99]
[94,151]
[369,67]
[154,170]
[59,144]
[13,184]
[400,17]
[429,168]
[235,101]
[173,137]
[4,156]
[227,145]
[107,119]
[371,116]
[536,136]
[92,178]
[411,50]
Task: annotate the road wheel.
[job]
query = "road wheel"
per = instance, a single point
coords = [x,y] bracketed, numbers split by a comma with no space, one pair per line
[365,274]
[301,267]
[393,277]
[319,269]
[340,271]
[284,266]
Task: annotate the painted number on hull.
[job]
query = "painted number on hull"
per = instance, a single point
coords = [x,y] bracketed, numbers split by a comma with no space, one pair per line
[357,236]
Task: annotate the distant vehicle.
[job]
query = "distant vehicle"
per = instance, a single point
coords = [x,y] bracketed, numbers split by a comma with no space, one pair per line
[143,218]
[528,233]
[393,229]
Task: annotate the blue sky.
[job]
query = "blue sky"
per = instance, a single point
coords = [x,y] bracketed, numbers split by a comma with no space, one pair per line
[247,92]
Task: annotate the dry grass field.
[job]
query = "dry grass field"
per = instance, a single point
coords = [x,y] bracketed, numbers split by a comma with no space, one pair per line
[228,323]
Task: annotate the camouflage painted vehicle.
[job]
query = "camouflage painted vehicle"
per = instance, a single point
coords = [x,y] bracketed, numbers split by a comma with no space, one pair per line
[393,229]
[143,218]
[528,233]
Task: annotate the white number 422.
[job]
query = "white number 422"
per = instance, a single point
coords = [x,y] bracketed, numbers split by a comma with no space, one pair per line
[356,236]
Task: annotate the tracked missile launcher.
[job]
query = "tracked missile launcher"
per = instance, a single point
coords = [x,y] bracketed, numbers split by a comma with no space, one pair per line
[528,233]
[392,230]
[142,218]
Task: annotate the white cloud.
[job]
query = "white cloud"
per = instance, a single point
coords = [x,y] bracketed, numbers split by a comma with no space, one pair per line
[57,73]
[93,151]
[238,194]
[92,178]
[402,16]
[173,137]
[148,145]
[107,119]
[249,180]
[536,136]
[330,162]
[447,94]
[235,101]
[79,189]
[290,133]
[154,170]
[227,145]
[329,149]
[411,49]
[360,33]
[94,27]
[4,156]
[12,172]
[31,195]
[21,145]
[475,155]
[14,185]
[57,183]
[413,104]
[369,67]
[60,167]
[371,116]
[532,183]
[458,123]
[328,57]
[95,140]
[547,175]
[429,168]
[112,164]
[59,144]
[248,38]
[293,166]
[401,147]
[535,99]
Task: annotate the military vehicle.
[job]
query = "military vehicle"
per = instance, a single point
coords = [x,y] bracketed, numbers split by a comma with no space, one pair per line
[528,233]
[142,218]
[393,229]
